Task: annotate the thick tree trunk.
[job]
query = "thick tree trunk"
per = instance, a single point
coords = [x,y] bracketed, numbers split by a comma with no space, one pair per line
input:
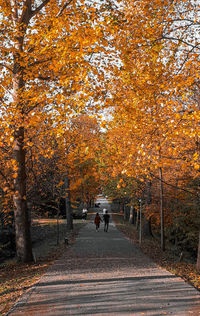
[22,220]
[68,204]
[198,255]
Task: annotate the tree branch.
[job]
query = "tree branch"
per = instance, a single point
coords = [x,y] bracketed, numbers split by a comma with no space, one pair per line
[31,108]
[63,8]
[38,9]
[40,62]
[173,186]
[7,67]
[181,20]
[179,40]
[26,13]
[186,58]
[43,78]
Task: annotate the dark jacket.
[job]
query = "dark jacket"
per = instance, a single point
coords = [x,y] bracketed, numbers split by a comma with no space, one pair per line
[106,218]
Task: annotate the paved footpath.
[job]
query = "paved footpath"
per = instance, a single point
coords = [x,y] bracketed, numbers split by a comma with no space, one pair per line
[105,274]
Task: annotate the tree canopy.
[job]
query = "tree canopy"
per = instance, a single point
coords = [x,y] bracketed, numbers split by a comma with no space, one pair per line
[62,63]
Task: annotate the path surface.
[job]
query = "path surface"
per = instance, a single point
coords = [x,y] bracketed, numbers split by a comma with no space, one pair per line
[105,274]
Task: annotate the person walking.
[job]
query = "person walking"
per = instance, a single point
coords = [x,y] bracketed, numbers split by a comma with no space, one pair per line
[84,214]
[97,221]
[106,218]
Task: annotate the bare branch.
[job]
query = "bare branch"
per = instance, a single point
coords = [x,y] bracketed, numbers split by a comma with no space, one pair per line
[63,8]
[193,22]
[7,91]
[43,78]
[173,186]
[185,60]
[40,62]
[31,108]
[38,9]
[179,40]
[5,66]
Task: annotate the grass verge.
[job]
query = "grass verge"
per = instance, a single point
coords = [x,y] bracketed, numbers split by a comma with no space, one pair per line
[17,278]
[165,259]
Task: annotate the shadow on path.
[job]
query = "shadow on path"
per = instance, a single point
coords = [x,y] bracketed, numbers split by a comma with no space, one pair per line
[105,274]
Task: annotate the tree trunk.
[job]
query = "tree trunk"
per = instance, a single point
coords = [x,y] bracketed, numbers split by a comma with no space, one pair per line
[147,227]
[148,193]
[125,212]
[147,222]
[198,255]
[137,219]
[162,232]
[57,230]
[140,228]
[68,204]
[22,220]
[132,215]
